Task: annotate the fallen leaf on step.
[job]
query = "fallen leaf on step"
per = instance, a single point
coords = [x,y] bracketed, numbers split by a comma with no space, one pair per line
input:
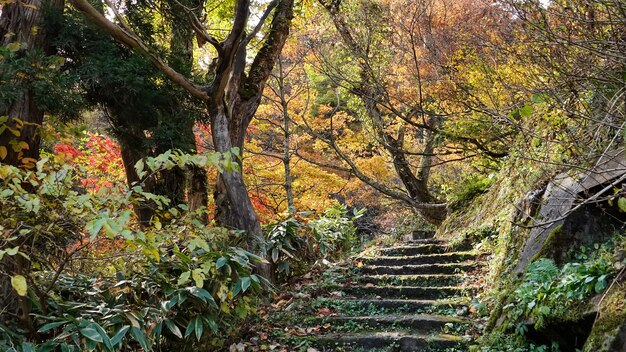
[369,284]
[324,312]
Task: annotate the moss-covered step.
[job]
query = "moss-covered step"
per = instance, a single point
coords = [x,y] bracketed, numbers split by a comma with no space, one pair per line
[388,305]
[423,269]
[411,280]
[437,258]
[403,291]
[414,250]
[390,341]
[405,322]
[423,241]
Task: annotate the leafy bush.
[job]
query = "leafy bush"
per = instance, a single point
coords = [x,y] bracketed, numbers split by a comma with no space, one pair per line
[470,189]
[80,273]
[299,241]
[547,294]
[283,243]
[335,231]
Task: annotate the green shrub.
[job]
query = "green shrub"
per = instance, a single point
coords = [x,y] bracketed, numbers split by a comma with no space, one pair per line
[298,241]
[82,274]
[335,231]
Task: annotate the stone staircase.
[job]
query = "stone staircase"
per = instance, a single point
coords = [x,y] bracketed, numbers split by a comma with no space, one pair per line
[403,298]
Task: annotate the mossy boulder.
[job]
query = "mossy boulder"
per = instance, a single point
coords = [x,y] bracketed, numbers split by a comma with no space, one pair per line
[609,330]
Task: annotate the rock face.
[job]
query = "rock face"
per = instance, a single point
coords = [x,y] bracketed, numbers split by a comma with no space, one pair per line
[570,212]
[563,221]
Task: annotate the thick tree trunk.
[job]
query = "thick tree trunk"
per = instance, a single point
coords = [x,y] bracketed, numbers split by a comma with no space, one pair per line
[21,22]
[417,185]
[130,148]
[234,194]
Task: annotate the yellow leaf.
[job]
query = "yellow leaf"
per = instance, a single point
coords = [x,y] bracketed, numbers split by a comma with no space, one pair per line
[359,264]
[23,145]
[3,152]
[19,284]
[28,162]
[225,308]
[30,6]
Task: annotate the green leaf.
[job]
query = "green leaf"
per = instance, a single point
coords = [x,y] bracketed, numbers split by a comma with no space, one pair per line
[13,47]
[198,327]
[139,168]
[91,333]
[119,335]
[198,277]
[28,347]
[19,284]
[600,286]
[105,337]
[202,294]
[183,278]
[190,328]
[621,203]
[213,325]
[174,329]
[241,310]
[236,288]
[245,283]
[51,326]
[94,227]
[139,336]
[221,262]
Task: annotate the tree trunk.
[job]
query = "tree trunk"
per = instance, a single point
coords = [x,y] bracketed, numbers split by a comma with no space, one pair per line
[287,163]
[234,194]
[21,22]
[132,152]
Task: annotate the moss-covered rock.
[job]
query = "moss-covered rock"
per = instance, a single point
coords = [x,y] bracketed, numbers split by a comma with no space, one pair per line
[609,330]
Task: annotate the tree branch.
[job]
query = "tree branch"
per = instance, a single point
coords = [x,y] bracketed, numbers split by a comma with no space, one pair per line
[137,44]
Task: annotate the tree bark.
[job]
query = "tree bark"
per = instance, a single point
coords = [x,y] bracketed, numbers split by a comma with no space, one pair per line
[246,97]
[21,22]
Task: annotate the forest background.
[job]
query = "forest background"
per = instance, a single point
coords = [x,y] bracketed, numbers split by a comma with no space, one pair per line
[157,153]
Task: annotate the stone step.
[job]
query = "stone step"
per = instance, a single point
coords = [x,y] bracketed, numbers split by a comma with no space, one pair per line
[419,235]
[424,269]
[413,322]
[414,250]
[438,258]
[398,342]
[412,280]
[404,291]
[417,242]
[374,306]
